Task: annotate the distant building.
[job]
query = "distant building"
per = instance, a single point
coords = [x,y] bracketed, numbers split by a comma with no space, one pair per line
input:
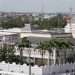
[70,27]
[8,38]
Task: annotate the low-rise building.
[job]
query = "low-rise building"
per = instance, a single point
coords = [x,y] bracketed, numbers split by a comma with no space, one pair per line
[12,36]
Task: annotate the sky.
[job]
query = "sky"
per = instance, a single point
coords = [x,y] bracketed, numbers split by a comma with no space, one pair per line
[37,5]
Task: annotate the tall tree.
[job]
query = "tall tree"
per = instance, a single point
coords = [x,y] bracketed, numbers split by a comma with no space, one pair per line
[22,44]
[55,46]
[63,46]
[42,48]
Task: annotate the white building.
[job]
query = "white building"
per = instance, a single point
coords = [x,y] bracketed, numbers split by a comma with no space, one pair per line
[70,27]
[13,35]
[35,36]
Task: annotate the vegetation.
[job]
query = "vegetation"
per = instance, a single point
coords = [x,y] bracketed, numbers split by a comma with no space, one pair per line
[42,50]
[63,47]
[59,45]
[41,23]
[12,22]
[7,53]
[23,43]
[53,22]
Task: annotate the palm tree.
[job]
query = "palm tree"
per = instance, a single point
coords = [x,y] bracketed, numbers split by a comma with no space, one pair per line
[51,47]
[42,48]
[54,46]
[62,46]
[23,43]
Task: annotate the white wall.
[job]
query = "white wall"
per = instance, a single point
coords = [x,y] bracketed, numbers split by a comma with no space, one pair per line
[22,69]
[67,28]
[70,28]
[73,30]
[35,53]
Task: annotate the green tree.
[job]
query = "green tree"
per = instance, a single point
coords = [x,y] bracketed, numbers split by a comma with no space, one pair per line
[42,48]
[23,43]
[57,46]
[12,22]
[53,22]
[7,53]
[48,46]
[63,47]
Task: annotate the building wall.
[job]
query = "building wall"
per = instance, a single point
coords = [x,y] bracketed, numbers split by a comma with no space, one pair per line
[73,29]
[67,28]
[9,39]
[70,27]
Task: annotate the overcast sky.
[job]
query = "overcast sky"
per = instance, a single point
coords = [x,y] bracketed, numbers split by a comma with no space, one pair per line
[36,5]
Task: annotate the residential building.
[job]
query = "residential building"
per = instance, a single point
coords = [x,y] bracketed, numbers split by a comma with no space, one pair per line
[12,36]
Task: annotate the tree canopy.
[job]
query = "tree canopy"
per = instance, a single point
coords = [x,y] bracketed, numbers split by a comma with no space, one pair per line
[41,23]
[12,22]
[60,45]
[6,53]
[53,22]
[24,43]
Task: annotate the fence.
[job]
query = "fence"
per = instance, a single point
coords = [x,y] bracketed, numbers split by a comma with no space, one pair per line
[13,69]
[63,69]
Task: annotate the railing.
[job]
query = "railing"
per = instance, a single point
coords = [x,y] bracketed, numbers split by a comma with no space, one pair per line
[62,69]
[35,53]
